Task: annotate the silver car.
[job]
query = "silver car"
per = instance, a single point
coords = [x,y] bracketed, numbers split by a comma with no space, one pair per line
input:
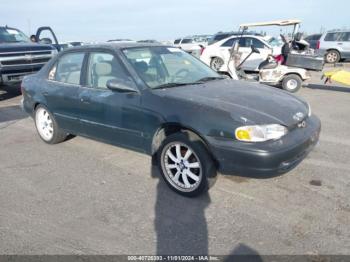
[335,45]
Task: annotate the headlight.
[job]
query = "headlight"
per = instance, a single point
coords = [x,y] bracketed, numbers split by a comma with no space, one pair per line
[260,133]
[309,110]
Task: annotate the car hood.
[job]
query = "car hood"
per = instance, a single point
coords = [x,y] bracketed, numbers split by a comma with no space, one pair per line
[23,47]
[249,103]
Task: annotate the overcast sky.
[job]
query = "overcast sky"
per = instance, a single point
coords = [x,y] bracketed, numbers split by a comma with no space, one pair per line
[100,20]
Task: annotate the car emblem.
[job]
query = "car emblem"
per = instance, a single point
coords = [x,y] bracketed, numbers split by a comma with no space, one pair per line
[302,124]
[28,57]
[298,116]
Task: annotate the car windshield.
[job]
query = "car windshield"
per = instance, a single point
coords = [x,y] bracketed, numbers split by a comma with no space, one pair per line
[275,42]
[162,66]
[11,35]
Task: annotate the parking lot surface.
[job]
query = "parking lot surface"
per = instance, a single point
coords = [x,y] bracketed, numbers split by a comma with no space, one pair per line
[86,197]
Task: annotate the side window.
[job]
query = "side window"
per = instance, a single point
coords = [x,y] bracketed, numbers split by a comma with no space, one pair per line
[257,43]
[243,42]
[177,41]
[229,43]
[345,37]
[68,69]
[104,67]
[332,37]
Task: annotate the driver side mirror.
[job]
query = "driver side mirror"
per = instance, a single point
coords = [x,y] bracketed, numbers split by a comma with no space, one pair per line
[47,41]
[255,50]
[120,86]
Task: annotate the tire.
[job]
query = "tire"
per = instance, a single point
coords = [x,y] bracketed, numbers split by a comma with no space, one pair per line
[177,171]
[47,127]
[292,83]
[216,63]
[332,56]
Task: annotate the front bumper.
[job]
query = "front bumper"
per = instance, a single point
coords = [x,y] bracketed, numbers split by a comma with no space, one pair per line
[268,158]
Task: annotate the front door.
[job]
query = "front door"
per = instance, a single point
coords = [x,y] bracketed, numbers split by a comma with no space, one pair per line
[108,115]
[46,35]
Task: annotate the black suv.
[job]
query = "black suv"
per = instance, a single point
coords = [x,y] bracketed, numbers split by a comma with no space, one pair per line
[19,56]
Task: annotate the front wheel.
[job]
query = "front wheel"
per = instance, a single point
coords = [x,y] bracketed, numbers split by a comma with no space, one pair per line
[186,165]
[292,83]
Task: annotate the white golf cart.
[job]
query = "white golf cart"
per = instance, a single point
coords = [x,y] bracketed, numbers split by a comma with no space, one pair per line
[270,72]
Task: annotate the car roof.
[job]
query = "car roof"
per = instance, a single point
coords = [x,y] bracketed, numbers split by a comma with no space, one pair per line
[338,31]
[115,45]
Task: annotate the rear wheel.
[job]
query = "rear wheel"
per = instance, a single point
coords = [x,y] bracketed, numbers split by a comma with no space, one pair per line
[47,127]
[186,165]
[332,56]
[292,83]
[216,63]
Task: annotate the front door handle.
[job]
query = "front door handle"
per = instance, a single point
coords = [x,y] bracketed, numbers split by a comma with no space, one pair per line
[85,100]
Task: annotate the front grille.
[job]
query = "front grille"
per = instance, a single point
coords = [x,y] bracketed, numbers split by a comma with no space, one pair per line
[23,53]
[25,61]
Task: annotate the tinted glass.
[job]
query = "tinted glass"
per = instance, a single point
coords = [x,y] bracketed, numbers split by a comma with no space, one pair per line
[229,43]
[332,37]
[103,67]
[187,41]
[345,36]
[313,37]
[8,35]
[163,65]
[177,41]
[69,68]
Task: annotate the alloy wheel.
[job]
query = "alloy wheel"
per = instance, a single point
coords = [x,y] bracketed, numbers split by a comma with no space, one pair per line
[181,166]
[332,57]
[44,124]
[216,63]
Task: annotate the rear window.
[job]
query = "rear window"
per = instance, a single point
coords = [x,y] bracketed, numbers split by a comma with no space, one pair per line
[313,37]
[187,41]
[332,36]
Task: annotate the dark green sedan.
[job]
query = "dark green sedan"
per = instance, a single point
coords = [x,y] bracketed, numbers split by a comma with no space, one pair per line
[162,101]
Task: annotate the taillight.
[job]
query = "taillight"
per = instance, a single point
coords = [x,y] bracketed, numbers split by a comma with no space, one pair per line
[318,44]
[22,89]
[202,50]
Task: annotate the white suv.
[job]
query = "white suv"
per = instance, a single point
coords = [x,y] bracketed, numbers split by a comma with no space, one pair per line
[218,54]
[335,45]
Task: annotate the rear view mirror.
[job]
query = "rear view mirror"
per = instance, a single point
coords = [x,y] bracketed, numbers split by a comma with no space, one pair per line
[254,49]
[120,86]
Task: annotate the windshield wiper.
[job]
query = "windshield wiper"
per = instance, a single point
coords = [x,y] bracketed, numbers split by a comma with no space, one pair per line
[174,84]
[209,78]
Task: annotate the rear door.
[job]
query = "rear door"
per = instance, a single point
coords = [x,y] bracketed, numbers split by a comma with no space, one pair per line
[224,49]
[108,115]
[345,42]
[61,91]
[254,59]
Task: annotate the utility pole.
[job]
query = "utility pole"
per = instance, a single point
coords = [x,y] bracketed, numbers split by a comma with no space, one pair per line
[29,26]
